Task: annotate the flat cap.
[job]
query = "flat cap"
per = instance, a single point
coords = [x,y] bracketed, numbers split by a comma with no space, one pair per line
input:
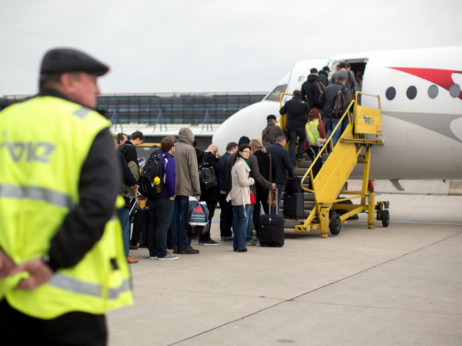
[61,60]
[271,116]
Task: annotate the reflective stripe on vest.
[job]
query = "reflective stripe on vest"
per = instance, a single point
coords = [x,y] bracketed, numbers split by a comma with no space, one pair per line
[77,286]
[36,193]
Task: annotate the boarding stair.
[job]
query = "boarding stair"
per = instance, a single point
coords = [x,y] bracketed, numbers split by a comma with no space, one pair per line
[327,205]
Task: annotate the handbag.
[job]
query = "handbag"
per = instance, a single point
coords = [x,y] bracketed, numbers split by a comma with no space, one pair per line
[207,177]
[271,193]
[253,200]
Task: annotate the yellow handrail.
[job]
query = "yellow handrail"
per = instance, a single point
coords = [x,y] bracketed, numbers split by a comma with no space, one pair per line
[328,141]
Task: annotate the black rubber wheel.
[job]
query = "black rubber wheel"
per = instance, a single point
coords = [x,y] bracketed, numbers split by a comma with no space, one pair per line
[335,224]
[385,218]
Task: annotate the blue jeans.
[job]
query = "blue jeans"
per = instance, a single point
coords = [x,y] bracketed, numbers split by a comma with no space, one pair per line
[330,124]
[179,225]
[248,234]
[160,217]
[240,225]
[125,223]
[280,188]
[293,134]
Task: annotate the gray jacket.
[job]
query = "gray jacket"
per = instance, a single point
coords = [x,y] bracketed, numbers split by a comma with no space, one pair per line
[350,82]
[187,172]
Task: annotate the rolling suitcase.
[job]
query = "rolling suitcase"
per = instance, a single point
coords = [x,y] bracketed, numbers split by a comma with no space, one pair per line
[293,186]
[272,230]
[293,205]
[140,224]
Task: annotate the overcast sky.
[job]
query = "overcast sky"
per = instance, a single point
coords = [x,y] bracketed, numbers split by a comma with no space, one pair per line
[211,45]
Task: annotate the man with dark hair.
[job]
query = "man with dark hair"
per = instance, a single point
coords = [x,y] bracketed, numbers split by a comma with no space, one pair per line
[297,112]
[121,139]
[209,196]
[226,215]
[271,131]
[62,265]
[324,76]
[128,150]
[161,208]
[281,161]
[312,89]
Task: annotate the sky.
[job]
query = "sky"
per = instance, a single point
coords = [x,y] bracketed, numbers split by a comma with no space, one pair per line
[210,45]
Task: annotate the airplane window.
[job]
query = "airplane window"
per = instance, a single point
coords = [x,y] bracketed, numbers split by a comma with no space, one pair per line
[390,93]
[454,90]
[274,95]
[411,92]
[433,91]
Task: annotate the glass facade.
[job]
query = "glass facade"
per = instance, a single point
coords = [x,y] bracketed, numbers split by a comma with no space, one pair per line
[172,108]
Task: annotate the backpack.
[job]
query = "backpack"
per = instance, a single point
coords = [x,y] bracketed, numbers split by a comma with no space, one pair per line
[207,176]
[152,169]
[340,104]
[320,85]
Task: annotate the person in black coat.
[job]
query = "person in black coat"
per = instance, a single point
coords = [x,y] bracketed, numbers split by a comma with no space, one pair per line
[210,196]
[282,165]
[311,90]
[297,112]
[263,158]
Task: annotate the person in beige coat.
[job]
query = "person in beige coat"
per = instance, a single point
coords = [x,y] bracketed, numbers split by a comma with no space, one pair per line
[240,196]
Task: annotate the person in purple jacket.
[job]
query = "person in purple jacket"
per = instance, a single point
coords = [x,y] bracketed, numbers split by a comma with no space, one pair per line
[161,208]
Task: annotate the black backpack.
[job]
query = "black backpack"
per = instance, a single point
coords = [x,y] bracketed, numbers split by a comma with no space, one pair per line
[340,104]
[207,175]
[152,170]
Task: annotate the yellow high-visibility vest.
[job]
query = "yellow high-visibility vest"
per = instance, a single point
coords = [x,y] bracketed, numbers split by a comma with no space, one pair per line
[43,144]
[312,132]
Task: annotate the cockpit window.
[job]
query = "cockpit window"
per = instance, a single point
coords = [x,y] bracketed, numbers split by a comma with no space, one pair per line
[275,94]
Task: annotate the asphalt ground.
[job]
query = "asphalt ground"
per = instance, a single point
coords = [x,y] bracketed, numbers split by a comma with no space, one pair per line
[399,285]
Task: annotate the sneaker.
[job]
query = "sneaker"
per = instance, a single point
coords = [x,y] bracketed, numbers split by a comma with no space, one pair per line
[208,242]
[131,259]
[189,251]
[229,238]
[250,243]
[167,257]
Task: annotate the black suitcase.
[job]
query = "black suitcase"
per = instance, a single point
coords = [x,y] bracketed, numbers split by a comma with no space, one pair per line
[272,230]
[293,186]
[140,228]
[293,205]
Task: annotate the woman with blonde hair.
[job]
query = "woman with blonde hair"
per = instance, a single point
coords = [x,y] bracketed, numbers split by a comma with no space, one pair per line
[240,196]
[261,191]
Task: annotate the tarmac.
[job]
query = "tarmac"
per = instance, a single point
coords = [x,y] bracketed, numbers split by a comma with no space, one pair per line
[399,285]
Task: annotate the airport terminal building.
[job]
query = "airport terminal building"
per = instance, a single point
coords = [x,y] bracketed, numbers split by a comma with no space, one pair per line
[166,108]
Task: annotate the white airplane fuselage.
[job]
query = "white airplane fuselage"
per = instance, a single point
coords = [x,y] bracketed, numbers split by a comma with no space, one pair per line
[421,102]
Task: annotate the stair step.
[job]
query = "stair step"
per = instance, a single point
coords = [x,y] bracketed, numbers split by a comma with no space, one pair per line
[307,205]
[291,223]
[307,196]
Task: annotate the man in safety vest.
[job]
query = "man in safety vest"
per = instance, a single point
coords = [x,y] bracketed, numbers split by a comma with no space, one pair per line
[62,263]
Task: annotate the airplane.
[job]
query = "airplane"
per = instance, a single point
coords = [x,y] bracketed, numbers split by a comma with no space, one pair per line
[421,102]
